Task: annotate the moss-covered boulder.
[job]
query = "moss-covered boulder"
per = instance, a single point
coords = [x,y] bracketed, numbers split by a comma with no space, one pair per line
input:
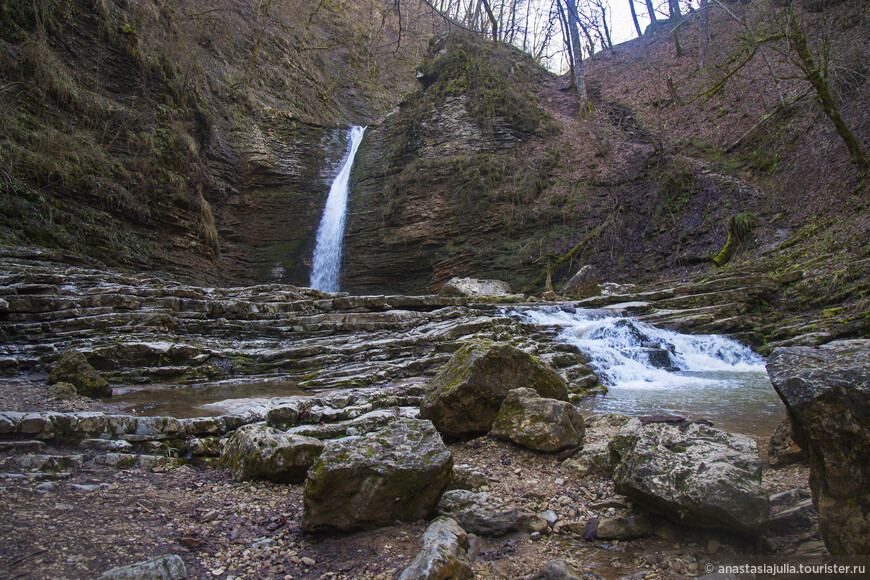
[258,451]
[62,391]
[464,397]
[541,424]
[397,473]
[73,367]
[693,474]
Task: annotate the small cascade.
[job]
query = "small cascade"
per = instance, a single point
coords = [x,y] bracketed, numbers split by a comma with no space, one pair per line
[651,370]
[626,352]
[326,264]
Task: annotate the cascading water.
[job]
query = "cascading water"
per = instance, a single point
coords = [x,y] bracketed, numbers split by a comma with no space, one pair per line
[652,370]
[326,264]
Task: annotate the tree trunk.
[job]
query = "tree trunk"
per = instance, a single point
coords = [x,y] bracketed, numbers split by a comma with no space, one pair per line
[674,10]
[566,36]
[823,92]
[704,34]
[492,20]
[652,12]
[574,31]
[634,18]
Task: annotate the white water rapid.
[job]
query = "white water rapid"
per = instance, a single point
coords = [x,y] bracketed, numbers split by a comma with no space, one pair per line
[326,264]
[651,370]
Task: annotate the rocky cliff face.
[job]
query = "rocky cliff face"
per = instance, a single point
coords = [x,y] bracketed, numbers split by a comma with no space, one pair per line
[184,138]
[489,171]
[267,227]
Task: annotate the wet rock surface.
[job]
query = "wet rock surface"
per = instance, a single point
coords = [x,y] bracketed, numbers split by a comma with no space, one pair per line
[827,393]
[692,473]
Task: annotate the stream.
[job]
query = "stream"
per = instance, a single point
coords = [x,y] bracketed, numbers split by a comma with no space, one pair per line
[649,370]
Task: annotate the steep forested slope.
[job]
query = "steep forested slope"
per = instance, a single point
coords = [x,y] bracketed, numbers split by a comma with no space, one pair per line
[129,128]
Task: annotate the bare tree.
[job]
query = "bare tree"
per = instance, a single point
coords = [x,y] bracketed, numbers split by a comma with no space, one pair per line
[704,35]
[634,18]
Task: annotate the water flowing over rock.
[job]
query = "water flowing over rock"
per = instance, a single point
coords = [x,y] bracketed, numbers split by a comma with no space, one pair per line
[261,452]
[72,367]
[464,397]
[397,473]
[478,513]
[538,423]
[693,474]
[827,393]
[473,288]
[327,253]
[444,555]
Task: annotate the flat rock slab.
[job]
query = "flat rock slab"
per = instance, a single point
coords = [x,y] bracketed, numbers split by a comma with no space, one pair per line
[827,393]
[396,473]
[692,474]
[464,397]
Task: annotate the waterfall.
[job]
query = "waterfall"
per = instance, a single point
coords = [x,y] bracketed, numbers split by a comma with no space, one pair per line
[327,250]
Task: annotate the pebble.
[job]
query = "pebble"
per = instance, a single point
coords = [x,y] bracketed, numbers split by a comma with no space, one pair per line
[308,561]
[47,486]
[560,481]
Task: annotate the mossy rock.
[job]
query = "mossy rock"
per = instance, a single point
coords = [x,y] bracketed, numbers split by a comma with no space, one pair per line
[260,452]
[466,394]
[397,473]
[538,423]
[72,367]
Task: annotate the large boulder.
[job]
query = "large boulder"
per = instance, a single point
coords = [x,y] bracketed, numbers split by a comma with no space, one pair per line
[473,288]
[583,284]
[692,473]
[478,513]
[73,367]
[397,473]
[258,451]
[826,391]
[464,397]
[538,423]
[444,555]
